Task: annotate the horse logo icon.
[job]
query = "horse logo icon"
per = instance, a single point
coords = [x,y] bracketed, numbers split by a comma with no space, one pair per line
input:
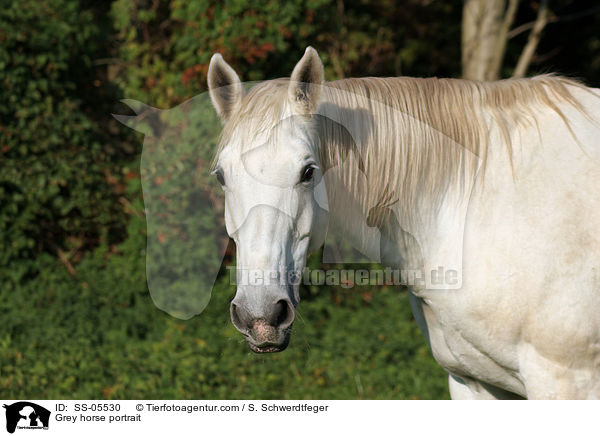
[26,415]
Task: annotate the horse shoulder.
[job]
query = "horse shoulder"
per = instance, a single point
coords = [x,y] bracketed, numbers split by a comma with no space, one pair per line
[531,247]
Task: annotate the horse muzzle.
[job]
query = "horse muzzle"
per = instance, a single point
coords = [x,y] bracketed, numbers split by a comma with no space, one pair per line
[265,321]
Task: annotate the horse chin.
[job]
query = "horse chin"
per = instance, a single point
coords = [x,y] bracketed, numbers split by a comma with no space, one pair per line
[269,347]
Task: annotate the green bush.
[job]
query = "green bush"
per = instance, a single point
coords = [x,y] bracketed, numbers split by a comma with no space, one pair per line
[85,326]
[165,47]
[59,170]
[184,205]
[98,335]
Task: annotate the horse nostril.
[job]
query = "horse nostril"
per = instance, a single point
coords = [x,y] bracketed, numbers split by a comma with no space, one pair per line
[285,314]
[275,316]
[235,318]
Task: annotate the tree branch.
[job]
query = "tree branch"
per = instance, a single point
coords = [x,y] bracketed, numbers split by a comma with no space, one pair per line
[501,40]
[525,27]
[533,40]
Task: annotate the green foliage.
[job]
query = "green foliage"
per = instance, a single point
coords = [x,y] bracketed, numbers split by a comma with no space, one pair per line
[54,157]
[183,203]
[94,331]
[391,38]
[98,335]
[166,47]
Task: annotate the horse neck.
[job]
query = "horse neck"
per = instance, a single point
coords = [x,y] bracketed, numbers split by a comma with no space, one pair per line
[428,232]
[349,212]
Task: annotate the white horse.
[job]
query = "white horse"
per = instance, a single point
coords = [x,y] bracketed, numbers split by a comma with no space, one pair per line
[498,182]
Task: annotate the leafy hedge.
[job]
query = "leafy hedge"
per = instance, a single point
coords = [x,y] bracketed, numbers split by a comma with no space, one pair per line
[98,335]
[85,326]
[165,48]
[57,187]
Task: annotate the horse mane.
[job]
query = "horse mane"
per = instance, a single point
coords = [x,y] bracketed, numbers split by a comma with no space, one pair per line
[415,137]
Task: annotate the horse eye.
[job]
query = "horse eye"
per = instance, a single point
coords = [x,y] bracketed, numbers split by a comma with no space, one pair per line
[307,173]
[220,177]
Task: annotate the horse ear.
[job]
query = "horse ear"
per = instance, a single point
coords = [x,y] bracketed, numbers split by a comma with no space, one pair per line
[306,81]
[224,86]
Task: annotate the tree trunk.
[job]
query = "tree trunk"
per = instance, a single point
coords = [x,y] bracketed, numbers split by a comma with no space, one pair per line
[485,25]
